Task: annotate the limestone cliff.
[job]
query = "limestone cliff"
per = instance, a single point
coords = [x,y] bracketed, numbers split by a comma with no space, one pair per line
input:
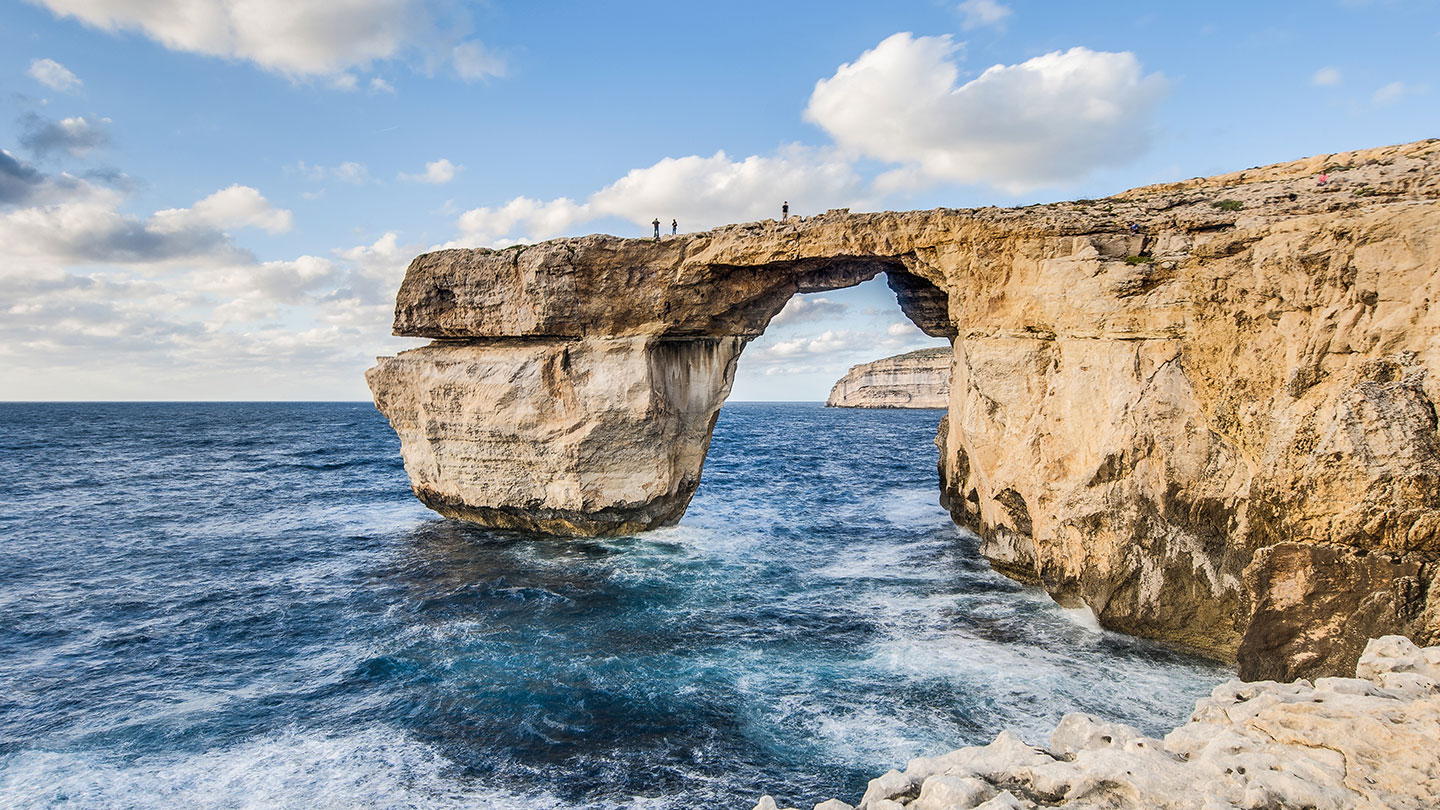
[913,380]
[1205,409]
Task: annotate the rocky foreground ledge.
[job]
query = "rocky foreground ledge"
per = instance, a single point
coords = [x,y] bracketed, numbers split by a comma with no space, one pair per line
[1372,741]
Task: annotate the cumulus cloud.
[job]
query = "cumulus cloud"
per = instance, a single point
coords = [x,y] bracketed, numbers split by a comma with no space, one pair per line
[977,13]
[379,85]
[91,230]
[1044,121]
[96,302]
[1326,77]
[88,227]
[474,62]
[699,192]
[805,309]
[437,172]
[53,75]
[74,136]
[234,207]
[294,37]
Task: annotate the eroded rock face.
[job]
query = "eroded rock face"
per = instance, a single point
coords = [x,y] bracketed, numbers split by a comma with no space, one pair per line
[918,379]
[582,437]
[1362,743]
[1156,397]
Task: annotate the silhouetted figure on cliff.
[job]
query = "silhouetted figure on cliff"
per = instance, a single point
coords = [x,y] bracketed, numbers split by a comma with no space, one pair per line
[656,223]
[674,227]
[784,210]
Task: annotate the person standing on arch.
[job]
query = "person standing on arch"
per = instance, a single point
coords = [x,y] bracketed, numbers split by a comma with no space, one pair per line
[674,227]
[656,223]
[784,210]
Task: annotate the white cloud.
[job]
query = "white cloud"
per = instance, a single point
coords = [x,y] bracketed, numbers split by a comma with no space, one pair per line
[98,303]
[234,207]
[87,227]
[1045,121]
[806,308]
[294,37]
[1395,91]
[983,12]
[379,85]
[437,172]
[903,329]
[1326,77]
[53,75]
[832,348]
[699,192]
[473,61]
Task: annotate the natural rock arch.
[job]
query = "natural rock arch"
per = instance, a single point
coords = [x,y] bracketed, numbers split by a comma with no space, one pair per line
[1205,410]
[573,386]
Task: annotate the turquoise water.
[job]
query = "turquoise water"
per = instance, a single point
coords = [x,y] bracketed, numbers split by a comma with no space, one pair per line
[241,605]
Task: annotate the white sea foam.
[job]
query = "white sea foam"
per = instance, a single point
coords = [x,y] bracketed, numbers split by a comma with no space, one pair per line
[913,507]
[1082,616]
[374,768]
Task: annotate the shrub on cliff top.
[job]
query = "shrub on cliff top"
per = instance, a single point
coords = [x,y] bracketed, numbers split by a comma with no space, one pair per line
[1228,205]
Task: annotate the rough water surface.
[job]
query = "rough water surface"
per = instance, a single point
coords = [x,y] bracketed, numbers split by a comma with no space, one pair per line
[242,605]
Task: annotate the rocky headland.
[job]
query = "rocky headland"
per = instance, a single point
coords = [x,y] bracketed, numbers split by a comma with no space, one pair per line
[1205,410]
[1361,743]
[919,379]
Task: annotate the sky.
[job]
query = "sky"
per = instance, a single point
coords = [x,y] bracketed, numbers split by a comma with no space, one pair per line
[207,200]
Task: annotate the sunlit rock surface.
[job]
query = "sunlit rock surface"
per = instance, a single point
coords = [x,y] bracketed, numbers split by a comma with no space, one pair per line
[1362,743]
[1205,410]
[918,379]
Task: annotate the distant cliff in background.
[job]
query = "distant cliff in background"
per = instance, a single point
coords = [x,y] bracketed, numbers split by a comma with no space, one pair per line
[913,380]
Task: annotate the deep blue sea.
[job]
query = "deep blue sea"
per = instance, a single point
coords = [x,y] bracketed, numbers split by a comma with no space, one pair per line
[242,606]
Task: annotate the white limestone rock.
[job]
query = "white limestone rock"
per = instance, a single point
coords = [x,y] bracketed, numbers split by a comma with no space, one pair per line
[946,792]
[887,786]
[1366,743]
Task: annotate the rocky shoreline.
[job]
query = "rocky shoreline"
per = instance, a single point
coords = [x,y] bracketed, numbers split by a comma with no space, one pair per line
[1371,742]
[919,379]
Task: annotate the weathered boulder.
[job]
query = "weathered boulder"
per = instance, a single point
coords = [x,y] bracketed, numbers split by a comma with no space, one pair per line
[919,379]
[1176,406]
[1362,743]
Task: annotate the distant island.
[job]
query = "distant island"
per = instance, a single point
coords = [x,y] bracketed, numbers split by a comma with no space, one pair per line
[919,379]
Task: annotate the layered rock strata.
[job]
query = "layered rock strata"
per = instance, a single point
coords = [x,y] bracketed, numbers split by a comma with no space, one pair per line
[1206,410]
[918,379]
[1362,743]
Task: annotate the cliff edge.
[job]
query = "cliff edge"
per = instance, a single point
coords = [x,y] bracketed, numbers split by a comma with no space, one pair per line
[1206,410]
[919,379]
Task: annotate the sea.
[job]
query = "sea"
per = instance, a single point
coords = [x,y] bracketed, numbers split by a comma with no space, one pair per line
[241,605]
